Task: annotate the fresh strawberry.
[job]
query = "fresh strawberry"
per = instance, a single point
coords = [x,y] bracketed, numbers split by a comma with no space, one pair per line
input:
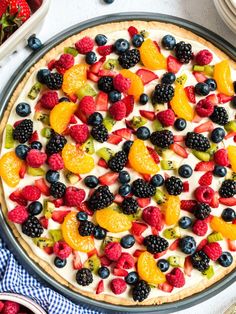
[166,287]
[138,228]
[104,72]
[143,202]
[92,252]
[3,7]
[229,201]
[222,98]
[58,202]
[129,103]
[204,127]
[139,239]
[205,166]
[48,250]
[105,50]
[124,133]
[189,90]
[173,65]
[59,215]
[137,253]
[185,186]
[84,208]
[200,77]
[201,244]
[231,245]
[212,98]
[16,196]
[158,255]
[102,163]
[100,287]
[41,184]
[229,135]
[215,201]
[178,138]
[132,31]
[97,65]
[146,177]
[174,245]
[77,263]
[20,9]
[149,115]
[187,205]
[179,150]
[146,76]
[34,137]
[92,77]
[22,171]
[108,178]
[206,178]
[114,139]
[188,267]
[102,102]
[44,222]
[120,272]
[153,154]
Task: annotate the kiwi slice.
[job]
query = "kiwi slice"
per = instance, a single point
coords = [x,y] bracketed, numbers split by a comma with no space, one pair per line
[41,116]
[43,242]
[71,177]
[215,237]
[86,90]
[168,164]
[198,68]
[212,149]
[204,156]
[46,132]
[35,90]
[105,153]
[176,261]
[157,126]
[71,50]
[230,126]
[209,70]
[209,272]
[56,234]
[110,64]
[93,263]
[135,216]
[167,154]
[181,80]
[88,146]
[172,233]
[48,208]
[138,121]
[109,239]
[160,197]
[36,172]
[108,122]
[9,141]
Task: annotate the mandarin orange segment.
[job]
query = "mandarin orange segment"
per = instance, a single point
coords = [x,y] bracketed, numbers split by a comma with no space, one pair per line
[151,57]
[148,270]
[60,116]
[72,237]
[232,156]
[74,79]
[136,87]
[171,210]
[112,220]
[10,166]
[228,230]
[181,105]
[223,78]
[140,159]
[76,160]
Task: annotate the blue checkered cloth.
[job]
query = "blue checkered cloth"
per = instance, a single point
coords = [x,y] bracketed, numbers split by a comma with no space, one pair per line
[14,278]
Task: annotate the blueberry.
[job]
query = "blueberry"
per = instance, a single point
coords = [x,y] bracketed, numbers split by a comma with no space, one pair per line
[228,214]
[36,145]
[137,40]
[103,272]
[233,102]
[157,180]
[114,96]
[168,42]
[180,124]
[132,278]
[34,43]
[202,89]
[185,222]
[124,189]
[59,263]
[35,208]
[219,171]
[91,57]
[126,146]
[217,135]
[22,151]
[124,177]
[187,245]
[52,176]
[127,241]
[82,216]
[212,84]
[143,133]
[23,109]
[101,40]
[143,99]
[121,45]
[168,78]
[226,259]
[42,74]
[62,99]
[95,119]
[108,1]
[185,171]
[91,181]
[99,233]
[163,265]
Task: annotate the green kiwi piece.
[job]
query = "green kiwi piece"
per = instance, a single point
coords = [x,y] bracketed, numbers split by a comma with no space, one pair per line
[105,153]
[35,90]
[93,263]
[9,141]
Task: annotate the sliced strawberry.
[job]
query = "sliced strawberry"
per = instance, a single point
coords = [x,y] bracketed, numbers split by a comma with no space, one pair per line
[59,215]
[231,245]
[129,125]
[212,98]
[129,103]
[17,197]
[92,252]
[222,98]
[189,90]
[179,150]
[44,222]
[200,77]
[158,255]
[139,239]
[105,261]
[188,266]
[204,127]
[34,137]
[155,231]
[187,205]
[124,133]
[153,154]
[196,118]
[166,287]
[118,199]
[185,186]
[206,178]
[229,135]
[77,263]
[215,201]
[178,138]
[22,171]
[92,77]
[120,272]
[105,50]
[138,228]
[114,139]
[205,166]
[102,101]
[173,65]
[48,250]
[174,245]
[58,202]
[102,163]
[100,287]
[41,184]
[84,208]
[201,244]
[38,106]
[104,72]
[143,202]
[147,177]
[132,31]
[137,253]
[97,65]
[230,201]
[149,115]
[146,76]
[108,178]
[73,119]
[73,97]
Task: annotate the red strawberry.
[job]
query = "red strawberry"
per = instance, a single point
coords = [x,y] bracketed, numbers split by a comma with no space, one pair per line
[215,201]
[92,252]
[153,154]
[229,201]
[3,7]
[173,65]
[212,98]
[146,76]
[146,177]
[104,72]
[231,245]
[92,77]
[102,163]
[44,222]
[132,31]
[77,264]
[18,198]
[22,171]
[108,178]
[189,90]
[188,266]
[97,65]
[200,77]
[229,135]
[129,103]
[102,102]
[114,139]
[143,202]
[137,253]
[100,287]
[204,127]
[187,205]
[84,208]
[150,115]
[186,186]
[20,8]
[222,98]
[124,133]
[179,150]
[138,228]
[120,272]
[48,250]
[59,215]
[105,50]
[174,245]
[41,184]
[206,178]
[178,138]
[201,244]
[205,166]
[166,287]
[34,137]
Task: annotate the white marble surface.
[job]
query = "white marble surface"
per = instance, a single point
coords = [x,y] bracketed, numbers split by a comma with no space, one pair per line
[64,13]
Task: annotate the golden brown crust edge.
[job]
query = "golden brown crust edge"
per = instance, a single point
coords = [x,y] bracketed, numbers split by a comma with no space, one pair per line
[178,31]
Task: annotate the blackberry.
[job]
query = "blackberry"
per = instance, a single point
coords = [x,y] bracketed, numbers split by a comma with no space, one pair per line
[219,115]
[155,244]
[54,81]
[99,133]
[23,131]
[174,185]
[118,161]
[183,52]
[129,206]
[101,198]
[201,211]
[105,84]
[143,189]
[32,227]
[57,189]
[55,144]
[141,291]
[200,260]
[162,138]
[197,141]
[162,94]
[84,277]
[228,188]
[129,58]
[86,228]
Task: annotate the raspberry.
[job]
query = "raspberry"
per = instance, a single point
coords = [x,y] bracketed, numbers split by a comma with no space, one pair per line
[65,62]
[200,227]
[132,31]
[84,45]
[121,83]
[105,50]
[152,216]
[86,108]
[221,157]
[49,100]
[166,117]
[118,285]
[11,307]
[74,196]
[79,132]
[118,110]
[204,57]
[55,162]
[213,250]
[176,278]
[187,205]
[204,108]
[62,250]
[113,251]
[125,261]
[35,158]
[31,193]
[18,215]
[204,194]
